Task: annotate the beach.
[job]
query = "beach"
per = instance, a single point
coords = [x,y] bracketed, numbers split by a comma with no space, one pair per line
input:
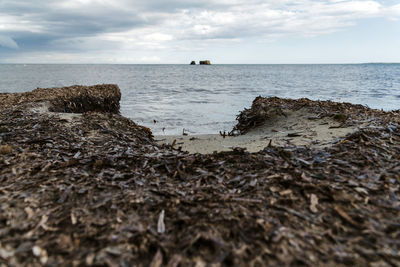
[297,128]
[295,182]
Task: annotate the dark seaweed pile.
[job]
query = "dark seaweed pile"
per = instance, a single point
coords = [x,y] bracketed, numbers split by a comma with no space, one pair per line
[72,99]
[264,109]
[99,191]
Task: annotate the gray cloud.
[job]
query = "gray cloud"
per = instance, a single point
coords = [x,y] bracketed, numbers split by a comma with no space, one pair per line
[72,26]
[8,42]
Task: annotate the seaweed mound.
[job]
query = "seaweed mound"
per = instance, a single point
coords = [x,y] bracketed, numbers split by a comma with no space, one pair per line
[264,109]
[96,190]
[73,99]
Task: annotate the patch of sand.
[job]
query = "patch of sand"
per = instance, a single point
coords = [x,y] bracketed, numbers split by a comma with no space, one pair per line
[300,128]
[43,108]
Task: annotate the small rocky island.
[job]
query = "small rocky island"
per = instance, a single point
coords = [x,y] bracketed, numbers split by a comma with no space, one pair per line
[205,62]
[202,62]
[81,185]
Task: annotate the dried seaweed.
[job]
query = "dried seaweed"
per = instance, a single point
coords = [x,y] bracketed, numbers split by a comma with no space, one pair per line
[97,190]
[73,99]
[264,109]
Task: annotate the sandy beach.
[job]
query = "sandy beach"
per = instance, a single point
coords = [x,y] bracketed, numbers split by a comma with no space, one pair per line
[298,128]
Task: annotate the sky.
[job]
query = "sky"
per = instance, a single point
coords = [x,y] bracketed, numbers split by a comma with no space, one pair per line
[179,31]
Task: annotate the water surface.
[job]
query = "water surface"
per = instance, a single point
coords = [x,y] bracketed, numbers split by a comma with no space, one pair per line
[206,99]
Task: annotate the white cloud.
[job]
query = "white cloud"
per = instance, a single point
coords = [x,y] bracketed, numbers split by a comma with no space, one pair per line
[82,26]
[18,24]
[158,37]
[83,4]
[150,59]
[250,18]
[394,12]
[209,19]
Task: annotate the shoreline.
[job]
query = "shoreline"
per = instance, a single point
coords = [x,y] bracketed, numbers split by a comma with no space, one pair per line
[297,128]
[94,188]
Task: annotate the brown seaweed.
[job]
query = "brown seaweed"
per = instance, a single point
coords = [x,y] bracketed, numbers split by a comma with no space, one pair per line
[264,109]
[72,99]
[97,190]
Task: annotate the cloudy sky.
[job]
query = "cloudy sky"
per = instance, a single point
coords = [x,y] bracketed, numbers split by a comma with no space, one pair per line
[178,31]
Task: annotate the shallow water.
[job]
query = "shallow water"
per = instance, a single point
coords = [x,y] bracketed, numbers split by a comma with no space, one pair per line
[206,99]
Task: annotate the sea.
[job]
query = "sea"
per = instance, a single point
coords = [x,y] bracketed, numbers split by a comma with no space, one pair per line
[204,99]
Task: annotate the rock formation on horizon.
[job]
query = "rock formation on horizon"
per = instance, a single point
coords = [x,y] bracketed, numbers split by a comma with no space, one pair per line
[205,62]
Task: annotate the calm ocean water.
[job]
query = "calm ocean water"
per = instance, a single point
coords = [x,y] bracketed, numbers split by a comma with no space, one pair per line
[206,99]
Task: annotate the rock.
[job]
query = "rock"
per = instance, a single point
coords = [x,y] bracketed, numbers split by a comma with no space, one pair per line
[205,62]
[193,63]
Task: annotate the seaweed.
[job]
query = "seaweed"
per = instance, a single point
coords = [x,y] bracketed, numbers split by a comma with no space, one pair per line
[265,109]
[72,99]
[97,190]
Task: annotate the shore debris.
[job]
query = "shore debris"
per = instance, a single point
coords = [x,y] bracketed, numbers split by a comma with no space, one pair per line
[5,149]
[223,134]
[160,224]
[95,191]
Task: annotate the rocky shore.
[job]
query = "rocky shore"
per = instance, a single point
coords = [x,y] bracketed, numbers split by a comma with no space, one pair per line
[82,185]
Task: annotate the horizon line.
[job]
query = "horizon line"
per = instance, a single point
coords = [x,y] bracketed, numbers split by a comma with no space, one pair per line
[69,63]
